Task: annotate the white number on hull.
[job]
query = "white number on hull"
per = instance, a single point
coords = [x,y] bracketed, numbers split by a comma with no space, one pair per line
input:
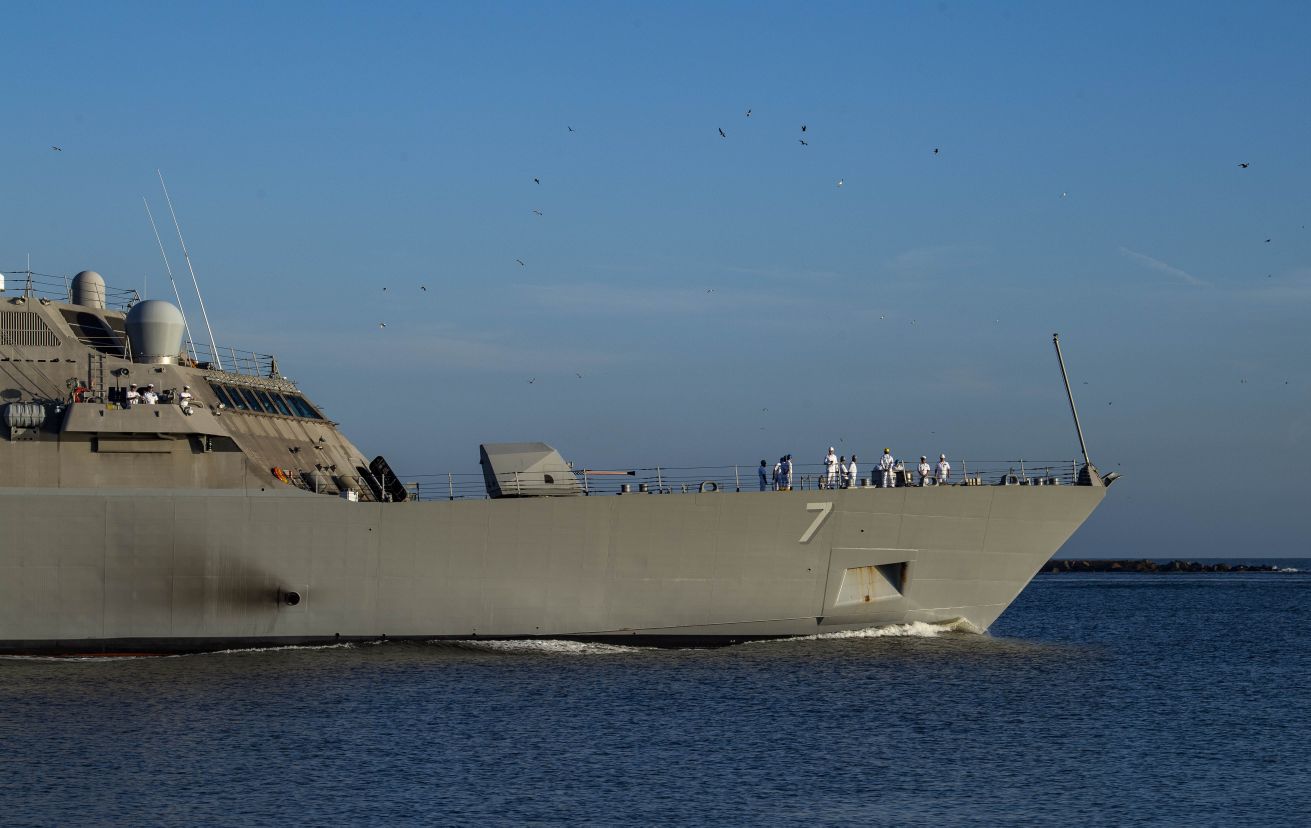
[823,509]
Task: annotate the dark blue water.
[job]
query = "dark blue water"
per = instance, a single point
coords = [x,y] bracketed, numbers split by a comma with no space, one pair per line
[1096,700]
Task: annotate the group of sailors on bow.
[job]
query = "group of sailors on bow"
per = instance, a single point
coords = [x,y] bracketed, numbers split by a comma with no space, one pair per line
[839,474]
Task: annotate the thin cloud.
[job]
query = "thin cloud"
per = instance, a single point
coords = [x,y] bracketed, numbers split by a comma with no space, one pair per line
[1163,267]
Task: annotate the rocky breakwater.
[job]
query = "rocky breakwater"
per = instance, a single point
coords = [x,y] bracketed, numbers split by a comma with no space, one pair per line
[1057,566]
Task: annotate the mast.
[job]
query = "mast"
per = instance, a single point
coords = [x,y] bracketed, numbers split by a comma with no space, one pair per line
[190,342]
[1056,340]
[212,344]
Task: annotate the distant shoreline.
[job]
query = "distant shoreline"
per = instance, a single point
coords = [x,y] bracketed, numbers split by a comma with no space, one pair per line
[1149,565]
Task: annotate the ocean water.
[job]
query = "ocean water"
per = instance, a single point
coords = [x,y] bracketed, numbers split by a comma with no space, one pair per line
[1095,700]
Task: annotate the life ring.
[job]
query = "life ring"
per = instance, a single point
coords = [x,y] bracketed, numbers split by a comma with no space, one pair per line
[709,486]
[280,474]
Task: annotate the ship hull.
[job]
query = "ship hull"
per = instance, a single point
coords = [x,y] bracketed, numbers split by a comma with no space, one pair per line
[155,571]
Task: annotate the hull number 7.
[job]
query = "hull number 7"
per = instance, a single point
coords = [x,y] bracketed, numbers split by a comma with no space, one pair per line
[823,509]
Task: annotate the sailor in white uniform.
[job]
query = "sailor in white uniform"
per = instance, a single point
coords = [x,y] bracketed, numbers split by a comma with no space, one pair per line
[886,462]
[831,469]
[149,397]
[184,400]
[132,397]
[924,470]
[944,470]
[852,479]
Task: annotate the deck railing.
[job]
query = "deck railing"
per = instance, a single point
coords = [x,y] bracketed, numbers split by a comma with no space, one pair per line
[60,289]
[741,478]
[232,360]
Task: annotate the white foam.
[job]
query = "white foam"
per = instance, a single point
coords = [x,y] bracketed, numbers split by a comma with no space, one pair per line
[914,629]
[547,646]
[345,645]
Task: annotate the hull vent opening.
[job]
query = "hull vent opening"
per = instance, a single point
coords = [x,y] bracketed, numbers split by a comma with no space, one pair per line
[867,584]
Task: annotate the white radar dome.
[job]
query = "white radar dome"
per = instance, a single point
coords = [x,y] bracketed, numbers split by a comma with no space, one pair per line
[88,289]
[154,329]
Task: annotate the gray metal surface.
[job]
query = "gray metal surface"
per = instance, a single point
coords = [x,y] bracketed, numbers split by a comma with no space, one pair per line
[162,528]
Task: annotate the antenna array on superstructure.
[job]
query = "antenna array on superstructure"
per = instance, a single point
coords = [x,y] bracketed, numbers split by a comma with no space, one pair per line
[196,284]
[190,342]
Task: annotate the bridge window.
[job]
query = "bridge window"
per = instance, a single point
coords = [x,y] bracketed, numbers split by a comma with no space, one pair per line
[281,404]
[265,402]
[222,394]
[302,408]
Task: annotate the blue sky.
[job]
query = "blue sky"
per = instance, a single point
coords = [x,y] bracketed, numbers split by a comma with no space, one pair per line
[1087,182]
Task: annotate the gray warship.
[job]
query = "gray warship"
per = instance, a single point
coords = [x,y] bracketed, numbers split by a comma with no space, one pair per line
[234,513]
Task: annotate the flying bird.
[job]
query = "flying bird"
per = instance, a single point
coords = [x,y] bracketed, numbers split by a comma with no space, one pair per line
[576,374]
[571,129]
[520,261]
[1244,164]
[537,181]
[722,134]
[748,113]
[803,142]
[1064,194]
[533,380]
[423,288]
[56,149]
[803,127]
[840,182]
[1267,241]
[384,290]
[537,212]
[935,150]
[382,324]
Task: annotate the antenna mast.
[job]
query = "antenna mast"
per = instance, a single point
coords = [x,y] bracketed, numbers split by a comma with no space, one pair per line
[190,342]
[1056,340]
[212,344]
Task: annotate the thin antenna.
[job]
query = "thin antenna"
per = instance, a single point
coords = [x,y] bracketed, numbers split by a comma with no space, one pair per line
[1056,340]
[213,346]
[190,342]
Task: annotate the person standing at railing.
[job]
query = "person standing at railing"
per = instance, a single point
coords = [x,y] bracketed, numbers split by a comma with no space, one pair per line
[886,463]
[149,397]
[852,479]
[831,469]
[924,470]
[778,475]
[132,397]
[184,400]
[764,476]
[787,472]
[944,470]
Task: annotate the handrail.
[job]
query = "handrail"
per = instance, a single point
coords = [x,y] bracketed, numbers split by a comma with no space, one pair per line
[741,478]
[234,360]
[60,289]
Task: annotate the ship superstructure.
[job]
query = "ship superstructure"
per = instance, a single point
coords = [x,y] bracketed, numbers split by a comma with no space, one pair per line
[232,512]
